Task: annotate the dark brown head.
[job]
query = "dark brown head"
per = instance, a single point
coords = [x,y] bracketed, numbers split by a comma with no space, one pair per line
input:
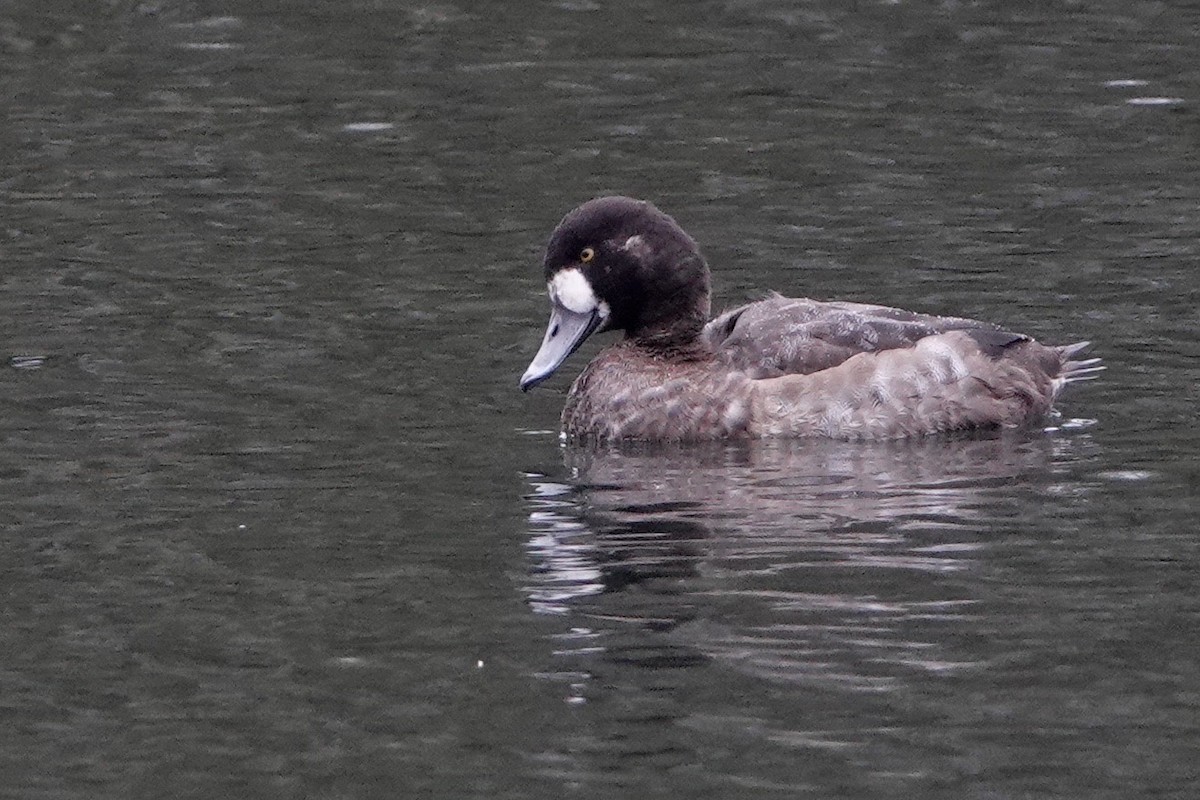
[616,263]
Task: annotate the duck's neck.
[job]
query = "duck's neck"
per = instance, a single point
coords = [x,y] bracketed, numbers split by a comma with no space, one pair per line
[672,306]
[681,338]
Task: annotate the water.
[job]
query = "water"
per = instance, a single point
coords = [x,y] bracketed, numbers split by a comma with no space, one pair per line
[277,523]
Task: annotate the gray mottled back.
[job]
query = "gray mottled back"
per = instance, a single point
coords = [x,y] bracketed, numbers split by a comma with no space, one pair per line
[798,336]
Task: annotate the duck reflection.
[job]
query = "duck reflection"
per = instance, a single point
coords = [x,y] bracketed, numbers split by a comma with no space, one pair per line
[839,565]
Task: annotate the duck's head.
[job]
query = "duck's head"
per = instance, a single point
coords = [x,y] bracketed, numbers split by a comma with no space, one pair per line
[616,263]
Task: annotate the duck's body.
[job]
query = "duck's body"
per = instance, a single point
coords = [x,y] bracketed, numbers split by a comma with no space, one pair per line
[777,367]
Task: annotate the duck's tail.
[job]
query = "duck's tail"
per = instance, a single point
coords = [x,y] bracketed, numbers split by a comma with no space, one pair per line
[1072,370]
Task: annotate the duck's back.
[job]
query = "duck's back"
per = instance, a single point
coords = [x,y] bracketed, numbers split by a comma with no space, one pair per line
[797,336]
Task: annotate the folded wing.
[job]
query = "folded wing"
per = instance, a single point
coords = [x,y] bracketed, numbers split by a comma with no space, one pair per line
[850,370]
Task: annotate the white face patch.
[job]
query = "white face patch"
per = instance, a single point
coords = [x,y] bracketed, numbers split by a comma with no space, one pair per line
[570,289]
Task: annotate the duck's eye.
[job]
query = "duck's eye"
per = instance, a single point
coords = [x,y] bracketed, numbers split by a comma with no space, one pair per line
[587,254]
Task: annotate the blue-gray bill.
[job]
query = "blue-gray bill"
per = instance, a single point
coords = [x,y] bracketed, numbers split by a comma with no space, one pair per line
[565,332]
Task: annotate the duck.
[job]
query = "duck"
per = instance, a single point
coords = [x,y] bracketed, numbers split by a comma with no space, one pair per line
[776,367]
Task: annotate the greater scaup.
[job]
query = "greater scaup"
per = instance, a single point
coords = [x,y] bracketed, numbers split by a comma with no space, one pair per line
[776,367]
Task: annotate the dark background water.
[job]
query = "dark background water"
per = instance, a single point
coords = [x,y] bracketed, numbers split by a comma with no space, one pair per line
[277,523]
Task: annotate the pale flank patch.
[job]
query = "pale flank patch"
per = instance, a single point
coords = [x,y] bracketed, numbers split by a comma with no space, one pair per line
[838,418]
[573,291]
[945,362]
[735,415]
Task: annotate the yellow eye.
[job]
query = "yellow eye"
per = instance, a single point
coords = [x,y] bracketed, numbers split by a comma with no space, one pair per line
[587,254]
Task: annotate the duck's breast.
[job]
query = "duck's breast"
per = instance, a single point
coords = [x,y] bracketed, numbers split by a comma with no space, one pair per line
[626,393]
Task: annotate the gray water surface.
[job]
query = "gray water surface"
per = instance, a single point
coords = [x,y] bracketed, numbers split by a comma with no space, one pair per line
[277,522]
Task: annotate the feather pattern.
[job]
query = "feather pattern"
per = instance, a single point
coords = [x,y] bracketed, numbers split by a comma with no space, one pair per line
[777,367]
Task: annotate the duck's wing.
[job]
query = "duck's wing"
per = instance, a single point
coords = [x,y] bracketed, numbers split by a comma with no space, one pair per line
[788,336]
[958,380]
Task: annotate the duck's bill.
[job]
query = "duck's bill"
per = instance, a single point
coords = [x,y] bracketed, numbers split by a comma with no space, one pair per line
[564,334]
